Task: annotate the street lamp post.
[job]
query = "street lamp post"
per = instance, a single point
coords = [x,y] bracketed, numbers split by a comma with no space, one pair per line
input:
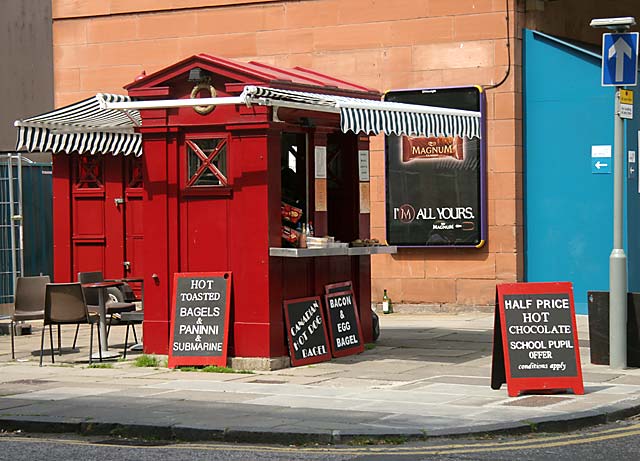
[617,259]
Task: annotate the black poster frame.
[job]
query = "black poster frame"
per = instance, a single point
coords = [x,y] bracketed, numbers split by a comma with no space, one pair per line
[454,214]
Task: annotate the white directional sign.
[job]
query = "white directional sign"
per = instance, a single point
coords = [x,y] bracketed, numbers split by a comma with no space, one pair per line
[601,159]
[620,59]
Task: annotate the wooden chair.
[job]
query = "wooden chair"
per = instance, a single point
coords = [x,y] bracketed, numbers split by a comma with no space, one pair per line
[65,305]
[28,303]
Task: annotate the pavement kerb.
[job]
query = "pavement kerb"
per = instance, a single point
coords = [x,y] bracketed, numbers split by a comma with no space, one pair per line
[561,423]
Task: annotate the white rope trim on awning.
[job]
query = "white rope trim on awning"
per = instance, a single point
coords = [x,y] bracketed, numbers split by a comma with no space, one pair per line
[83,127]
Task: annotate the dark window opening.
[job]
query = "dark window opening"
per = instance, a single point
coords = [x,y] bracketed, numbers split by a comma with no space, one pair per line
[89,172]
[207,162]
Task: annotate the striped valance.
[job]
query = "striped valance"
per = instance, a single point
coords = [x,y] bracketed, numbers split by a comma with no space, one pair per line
[373,116]
[83,127]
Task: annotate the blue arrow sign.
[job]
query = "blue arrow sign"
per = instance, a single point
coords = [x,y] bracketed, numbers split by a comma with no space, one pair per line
[620,59]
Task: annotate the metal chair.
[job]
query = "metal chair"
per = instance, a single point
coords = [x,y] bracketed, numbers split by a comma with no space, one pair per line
[28,303]
[65,305]
[115,304]
[130,319]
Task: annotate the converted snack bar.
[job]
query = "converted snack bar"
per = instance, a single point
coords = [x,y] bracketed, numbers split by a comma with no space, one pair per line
[241,161]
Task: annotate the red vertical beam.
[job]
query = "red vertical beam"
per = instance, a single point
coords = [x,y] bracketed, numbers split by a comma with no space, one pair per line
[62,252]
[250,213]
[363,263]
[276,268]
[364,215]
[318,138]
[173,171]
[113,216]
[157,282]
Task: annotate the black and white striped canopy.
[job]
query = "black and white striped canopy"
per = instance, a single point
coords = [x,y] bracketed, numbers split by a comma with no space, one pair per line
[373,116]
[83,127]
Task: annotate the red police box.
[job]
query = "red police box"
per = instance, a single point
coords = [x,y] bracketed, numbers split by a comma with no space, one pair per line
[535,339]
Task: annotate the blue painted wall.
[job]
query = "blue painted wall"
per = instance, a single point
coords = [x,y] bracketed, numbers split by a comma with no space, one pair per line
[567,209]
[633,195]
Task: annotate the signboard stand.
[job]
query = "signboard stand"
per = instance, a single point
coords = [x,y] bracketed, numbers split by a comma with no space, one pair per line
[200,319]
[535,341]
[306,331]
[344,322]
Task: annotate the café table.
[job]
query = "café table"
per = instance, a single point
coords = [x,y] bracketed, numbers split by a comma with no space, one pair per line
[102,311]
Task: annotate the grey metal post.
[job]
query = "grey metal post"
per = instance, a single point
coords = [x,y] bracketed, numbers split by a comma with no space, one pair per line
[618,259]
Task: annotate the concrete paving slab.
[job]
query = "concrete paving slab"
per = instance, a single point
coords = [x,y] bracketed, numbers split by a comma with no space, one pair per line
[437,386]
[60,393]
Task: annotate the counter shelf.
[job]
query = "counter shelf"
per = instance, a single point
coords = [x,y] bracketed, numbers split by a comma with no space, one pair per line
[315,252]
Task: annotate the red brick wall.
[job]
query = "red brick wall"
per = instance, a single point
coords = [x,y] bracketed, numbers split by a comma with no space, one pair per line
[100,46]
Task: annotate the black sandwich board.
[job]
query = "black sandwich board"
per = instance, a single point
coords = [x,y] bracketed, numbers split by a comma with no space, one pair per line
[344,322]
[200,318]
[306,331]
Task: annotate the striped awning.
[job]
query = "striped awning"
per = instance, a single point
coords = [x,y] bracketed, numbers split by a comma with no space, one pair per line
[373,116]
[83,127]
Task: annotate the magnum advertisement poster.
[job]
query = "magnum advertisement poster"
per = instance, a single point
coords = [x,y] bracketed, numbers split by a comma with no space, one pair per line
[435,185]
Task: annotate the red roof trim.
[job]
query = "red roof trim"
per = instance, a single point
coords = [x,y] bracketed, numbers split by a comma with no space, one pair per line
[258,73]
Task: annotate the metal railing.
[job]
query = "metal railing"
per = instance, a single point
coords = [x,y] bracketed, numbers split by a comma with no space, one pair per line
[11,230]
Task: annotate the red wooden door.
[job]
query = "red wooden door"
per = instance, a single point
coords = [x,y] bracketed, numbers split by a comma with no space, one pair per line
[133,218]
[204,204]
[106,216]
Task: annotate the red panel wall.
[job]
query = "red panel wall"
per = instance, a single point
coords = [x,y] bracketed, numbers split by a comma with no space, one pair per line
[249,245]
[156,216]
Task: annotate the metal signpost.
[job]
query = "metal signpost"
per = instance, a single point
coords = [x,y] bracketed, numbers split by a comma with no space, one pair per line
[619,68]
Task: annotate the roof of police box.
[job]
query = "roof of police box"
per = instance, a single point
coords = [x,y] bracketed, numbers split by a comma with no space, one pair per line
[260,74]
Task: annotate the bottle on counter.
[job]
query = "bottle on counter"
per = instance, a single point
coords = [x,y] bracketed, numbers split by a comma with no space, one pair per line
[310,229]
[386,303]
[303,237]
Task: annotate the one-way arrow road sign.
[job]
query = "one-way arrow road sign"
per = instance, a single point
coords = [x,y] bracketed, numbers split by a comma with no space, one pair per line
[620,59]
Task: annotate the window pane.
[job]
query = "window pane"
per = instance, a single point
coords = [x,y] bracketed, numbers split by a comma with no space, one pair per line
[89,172]
[207,177]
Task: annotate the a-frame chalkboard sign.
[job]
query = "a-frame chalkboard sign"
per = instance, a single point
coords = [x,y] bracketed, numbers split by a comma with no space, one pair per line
[200,319]
[535,340]
[344,322]
[306,331]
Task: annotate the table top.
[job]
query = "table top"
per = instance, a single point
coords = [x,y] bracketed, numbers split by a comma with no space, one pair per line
[129,279]
[104,284]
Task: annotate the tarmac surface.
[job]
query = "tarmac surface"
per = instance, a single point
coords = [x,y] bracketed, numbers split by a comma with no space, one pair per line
[427,375]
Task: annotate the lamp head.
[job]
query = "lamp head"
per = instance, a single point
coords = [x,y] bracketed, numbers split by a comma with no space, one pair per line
[617,24]
[197,75]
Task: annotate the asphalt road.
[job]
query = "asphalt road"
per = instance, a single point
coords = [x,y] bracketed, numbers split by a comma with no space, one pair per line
[618,441]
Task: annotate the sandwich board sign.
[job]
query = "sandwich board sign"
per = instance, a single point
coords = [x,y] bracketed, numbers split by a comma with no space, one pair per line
[344,323]
[200,319]
[306,331]
[535,340]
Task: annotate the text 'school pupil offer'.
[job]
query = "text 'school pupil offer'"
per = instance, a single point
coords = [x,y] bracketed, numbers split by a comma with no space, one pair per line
[306,331]
[535,338]
[200,319]
[540,335]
